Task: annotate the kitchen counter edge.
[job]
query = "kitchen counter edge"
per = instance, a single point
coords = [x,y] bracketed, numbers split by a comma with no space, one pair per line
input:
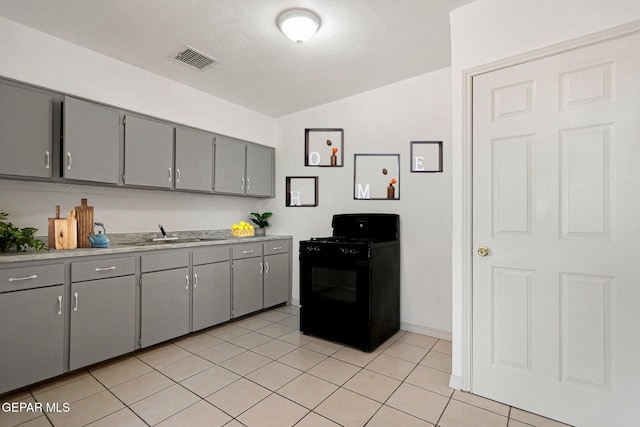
[127,248]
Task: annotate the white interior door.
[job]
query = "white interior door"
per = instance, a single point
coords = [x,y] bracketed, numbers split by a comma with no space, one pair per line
[556,200]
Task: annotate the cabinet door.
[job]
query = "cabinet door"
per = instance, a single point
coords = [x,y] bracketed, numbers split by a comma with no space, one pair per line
[25,132]
[31,336]
[229,167]
[102,320]
[164,305]
[148,153]
[260,173]
[211,294]
[247,286]
[194,160]
[276,279]
[91,142]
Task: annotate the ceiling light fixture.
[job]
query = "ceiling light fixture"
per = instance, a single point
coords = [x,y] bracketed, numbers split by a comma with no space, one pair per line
[298,24]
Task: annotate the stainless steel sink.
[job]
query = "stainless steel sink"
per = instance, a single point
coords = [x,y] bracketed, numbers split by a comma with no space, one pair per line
[174,241]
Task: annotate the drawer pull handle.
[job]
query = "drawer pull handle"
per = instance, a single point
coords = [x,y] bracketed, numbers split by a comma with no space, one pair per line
[195,280]
[187,287]
[113,267]
[59,305]
[248,252]
[277,248]
[75,299]
[19,279]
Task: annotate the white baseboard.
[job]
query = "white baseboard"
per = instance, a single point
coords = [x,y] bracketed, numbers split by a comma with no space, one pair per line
[455,382]
[295,301]
[424,330]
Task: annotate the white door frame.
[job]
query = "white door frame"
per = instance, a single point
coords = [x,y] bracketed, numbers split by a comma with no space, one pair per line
[463,246]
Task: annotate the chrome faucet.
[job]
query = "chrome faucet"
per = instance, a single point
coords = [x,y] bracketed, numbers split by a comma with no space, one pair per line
[164,234]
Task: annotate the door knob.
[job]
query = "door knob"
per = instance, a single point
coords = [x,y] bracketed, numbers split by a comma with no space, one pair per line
[483,251]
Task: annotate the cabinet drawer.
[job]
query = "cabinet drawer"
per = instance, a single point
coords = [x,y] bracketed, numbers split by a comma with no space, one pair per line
[91,270]
[247,250]
[164,261]
[276,247]
[210,255]
[13,279]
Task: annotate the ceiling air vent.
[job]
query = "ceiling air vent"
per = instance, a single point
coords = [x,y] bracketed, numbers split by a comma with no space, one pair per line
[194,58]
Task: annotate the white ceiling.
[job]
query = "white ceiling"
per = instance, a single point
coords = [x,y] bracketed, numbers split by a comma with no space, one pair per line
[361,44]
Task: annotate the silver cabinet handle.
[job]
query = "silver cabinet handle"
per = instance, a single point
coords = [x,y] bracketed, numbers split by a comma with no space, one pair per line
[177,175]
[69,160]
[195,280]
[248,183]
[242,186]
[266,271]
[19,279]
[277,248]
[170,175]
[187,287]
[47,160]
[261,268]
[113,267]
[248,252]
[75,301]
[59,305]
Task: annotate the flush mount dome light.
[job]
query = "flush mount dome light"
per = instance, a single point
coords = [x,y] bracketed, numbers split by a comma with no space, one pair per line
[298,24]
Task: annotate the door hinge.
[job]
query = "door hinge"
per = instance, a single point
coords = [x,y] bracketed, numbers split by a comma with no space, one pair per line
[140,282]
[124,120]
[140,341]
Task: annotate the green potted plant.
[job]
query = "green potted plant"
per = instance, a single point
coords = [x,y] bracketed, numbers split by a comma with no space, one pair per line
[261,221]
[20,238]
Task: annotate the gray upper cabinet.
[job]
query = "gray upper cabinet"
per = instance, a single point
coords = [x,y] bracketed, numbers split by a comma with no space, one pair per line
[25,132]
[194,160]
[148,153]
[260,171]
[229,166]
[242,168]
[91,142]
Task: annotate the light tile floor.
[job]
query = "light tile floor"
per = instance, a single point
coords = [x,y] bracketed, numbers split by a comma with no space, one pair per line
[261,371]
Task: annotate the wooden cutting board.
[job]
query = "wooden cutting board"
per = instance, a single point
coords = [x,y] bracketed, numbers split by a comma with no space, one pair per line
[84,215]
[52,228]
[66,232]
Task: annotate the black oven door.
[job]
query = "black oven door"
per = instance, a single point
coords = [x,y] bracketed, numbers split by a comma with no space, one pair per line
[335,298]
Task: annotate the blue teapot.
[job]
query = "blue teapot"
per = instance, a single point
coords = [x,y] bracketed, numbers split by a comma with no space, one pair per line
[99,240]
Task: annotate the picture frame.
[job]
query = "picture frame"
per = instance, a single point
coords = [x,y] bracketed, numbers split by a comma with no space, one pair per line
[426,157]
[324,147]
[376,177]
[301,191]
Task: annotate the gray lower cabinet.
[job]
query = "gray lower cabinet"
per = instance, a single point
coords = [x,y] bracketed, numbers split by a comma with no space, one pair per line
[148,153]
[26,129]
[211,287]
[211,294]
[165,297]
[247,278]
[276,279]
[32,318]
[103,310]
[91,142]
[194,160]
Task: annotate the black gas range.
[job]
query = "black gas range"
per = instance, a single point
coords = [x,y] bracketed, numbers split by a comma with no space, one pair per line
[350,281]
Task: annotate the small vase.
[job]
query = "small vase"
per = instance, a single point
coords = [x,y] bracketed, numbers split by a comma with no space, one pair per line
[333,159]
[260,231]
[391,192]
